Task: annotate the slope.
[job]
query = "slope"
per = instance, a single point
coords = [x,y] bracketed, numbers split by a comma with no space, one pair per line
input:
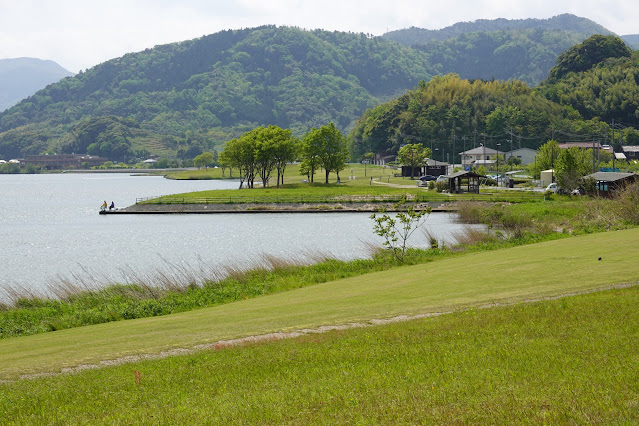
[218,86]
[506,276]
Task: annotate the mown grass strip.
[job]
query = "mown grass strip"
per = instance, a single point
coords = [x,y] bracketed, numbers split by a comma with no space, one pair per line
[520,273]
[566,361]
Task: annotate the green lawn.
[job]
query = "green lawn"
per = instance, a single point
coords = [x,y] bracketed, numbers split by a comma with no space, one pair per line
[504,276]
[566,361]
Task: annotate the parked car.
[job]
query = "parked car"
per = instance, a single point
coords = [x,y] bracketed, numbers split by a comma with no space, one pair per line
[442,178]
[553,187]
[423,181]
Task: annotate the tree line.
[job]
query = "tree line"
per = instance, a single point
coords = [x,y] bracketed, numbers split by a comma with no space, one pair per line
[264,150]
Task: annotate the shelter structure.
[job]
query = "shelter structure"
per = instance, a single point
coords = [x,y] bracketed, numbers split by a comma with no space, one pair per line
[609,182]
[464,181]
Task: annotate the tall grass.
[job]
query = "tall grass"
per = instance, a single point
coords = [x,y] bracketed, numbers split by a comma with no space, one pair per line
[85,299]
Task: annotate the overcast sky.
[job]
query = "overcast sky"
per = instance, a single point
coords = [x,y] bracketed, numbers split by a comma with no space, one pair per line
[79,34]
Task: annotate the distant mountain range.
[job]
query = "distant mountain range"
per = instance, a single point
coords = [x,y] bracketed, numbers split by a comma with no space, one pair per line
[179,99]
[22,77]
[565,22]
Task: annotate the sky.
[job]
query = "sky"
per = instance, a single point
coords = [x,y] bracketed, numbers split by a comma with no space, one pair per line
[78,34]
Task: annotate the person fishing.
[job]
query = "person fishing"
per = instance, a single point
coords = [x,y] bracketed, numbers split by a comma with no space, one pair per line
[103,206]
[112,206]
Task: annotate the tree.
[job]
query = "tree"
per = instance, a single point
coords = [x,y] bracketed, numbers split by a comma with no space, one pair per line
[572,164]
[368,157]
[325,147]
[205,160]
[547,156]
[396,231]
[413,155]
[240,153]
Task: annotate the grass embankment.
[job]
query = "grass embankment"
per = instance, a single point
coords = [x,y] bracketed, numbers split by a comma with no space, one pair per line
[521,273]
[370,184]
[571,360]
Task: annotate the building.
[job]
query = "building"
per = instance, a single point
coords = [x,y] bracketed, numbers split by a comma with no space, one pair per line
[64,161]
[480,156]
[631,152]
[526,155]
[581,145]
[432,167]
[609,182]
[464,182]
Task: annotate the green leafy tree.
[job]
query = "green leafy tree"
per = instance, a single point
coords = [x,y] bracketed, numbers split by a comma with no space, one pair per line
[413,155]
[240,154]
[325,147]
[547,156]
[205,160]
[396,230]
[368,159]
[573,164]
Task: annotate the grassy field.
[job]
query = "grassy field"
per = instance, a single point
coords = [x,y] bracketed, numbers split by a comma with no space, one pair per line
[375,184]
[503,276]
[566,361]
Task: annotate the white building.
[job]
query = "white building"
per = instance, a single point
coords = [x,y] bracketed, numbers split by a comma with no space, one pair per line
[526,155]
[480,156]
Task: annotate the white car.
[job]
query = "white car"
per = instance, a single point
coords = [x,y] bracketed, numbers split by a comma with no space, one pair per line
[553,187]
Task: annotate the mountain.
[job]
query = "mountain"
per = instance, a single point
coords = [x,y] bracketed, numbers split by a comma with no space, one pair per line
[599,79]
[206,91]
[179,99]
[566,22]
[632,40]
[501,49]
[593,88]
[22,77]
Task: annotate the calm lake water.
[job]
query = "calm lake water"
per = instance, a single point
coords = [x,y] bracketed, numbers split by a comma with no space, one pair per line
[50,228]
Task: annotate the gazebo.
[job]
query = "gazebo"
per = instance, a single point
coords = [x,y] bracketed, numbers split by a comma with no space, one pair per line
[464,181]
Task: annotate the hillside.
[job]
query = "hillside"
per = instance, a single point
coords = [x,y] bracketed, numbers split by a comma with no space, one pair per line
[22,77]
[632,40]
[205,91]
[180,99]
[449,114]
[566,22]
[599,79]
[523,49]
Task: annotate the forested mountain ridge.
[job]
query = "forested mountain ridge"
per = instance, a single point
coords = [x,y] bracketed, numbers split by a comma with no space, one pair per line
[208,90]
[183,98]
[22,77]
[592,84]
[565,22]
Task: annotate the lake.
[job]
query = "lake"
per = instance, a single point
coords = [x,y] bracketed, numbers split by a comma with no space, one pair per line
[50,228]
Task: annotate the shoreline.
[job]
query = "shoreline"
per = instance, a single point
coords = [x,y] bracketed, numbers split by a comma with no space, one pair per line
[275,208]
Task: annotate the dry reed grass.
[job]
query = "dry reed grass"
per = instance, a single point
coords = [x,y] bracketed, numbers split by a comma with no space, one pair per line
[168,277]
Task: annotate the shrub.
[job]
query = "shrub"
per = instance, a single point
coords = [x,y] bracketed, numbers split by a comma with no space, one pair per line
[627,204]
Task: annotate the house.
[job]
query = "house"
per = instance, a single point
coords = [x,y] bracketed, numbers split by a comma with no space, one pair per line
[581,145]
[631,152]
[526,155]
[480,156]
[432,167]
[609,182]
